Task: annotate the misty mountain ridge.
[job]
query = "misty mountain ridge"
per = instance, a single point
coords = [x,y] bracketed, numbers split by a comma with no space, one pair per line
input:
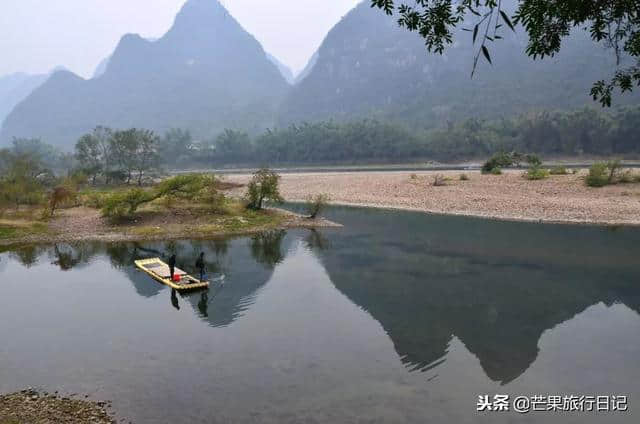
[367,66]
[16,87]
[205,74]
[285,71]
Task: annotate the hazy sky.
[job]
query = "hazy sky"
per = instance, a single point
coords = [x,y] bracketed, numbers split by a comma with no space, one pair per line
[37,35]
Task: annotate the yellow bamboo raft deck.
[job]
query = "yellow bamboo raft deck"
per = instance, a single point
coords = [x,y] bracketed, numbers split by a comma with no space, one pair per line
[159,271]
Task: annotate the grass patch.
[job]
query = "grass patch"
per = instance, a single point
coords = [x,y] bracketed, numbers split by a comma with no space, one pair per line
[246,221]
[7,232]
[558,170]
[15,229]
[148,231]
[536,173]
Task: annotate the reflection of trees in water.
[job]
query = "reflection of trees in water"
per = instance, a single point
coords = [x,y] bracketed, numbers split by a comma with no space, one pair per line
[266,247]
[247,267]
[68,256]
[496,286]
[315,241]
[27,255]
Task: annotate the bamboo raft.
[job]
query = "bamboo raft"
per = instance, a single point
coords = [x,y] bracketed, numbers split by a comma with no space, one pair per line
[159,271]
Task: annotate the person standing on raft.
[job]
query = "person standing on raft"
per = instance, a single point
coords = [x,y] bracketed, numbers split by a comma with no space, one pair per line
[200,265]
[172,266]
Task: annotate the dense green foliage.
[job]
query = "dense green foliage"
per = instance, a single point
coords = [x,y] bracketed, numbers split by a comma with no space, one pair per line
[614,23]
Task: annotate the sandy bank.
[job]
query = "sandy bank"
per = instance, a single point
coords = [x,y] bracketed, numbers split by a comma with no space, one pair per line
[558,199]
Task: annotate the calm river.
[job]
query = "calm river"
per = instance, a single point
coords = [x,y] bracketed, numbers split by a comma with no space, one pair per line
[396,318]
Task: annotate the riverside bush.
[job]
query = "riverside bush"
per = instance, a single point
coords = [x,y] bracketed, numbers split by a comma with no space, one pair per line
[125,203]
[558,170]
[499,160]
[536,173]
[597,175]
[316,204]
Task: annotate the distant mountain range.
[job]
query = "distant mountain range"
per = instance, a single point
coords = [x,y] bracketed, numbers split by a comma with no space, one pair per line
[16,87]
[369,67]
[285,71]
[207,73]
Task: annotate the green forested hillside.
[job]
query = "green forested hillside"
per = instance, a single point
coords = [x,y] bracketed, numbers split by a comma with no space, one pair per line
[205,74]
[369,67]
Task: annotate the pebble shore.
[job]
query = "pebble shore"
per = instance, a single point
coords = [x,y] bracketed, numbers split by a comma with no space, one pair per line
[557,199]
[31,406]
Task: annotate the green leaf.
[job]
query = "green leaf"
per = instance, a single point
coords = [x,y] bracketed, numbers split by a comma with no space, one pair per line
[507,20]
[485,52]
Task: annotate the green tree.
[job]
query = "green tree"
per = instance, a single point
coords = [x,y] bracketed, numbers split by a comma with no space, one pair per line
[175,146]
[102,137]
[264,185]
[124,145]
[89,154]
[146,153]
[614,23]
[20,182]
[233,146]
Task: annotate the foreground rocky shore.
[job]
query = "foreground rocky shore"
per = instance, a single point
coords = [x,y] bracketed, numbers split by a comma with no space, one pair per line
[31,406]
[557,199]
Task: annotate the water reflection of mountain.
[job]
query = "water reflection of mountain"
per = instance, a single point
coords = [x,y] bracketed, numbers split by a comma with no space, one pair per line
[247,264]
[496,286]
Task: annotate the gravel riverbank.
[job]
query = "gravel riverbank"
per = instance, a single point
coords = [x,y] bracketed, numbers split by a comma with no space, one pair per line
[30,406]
[558,199]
